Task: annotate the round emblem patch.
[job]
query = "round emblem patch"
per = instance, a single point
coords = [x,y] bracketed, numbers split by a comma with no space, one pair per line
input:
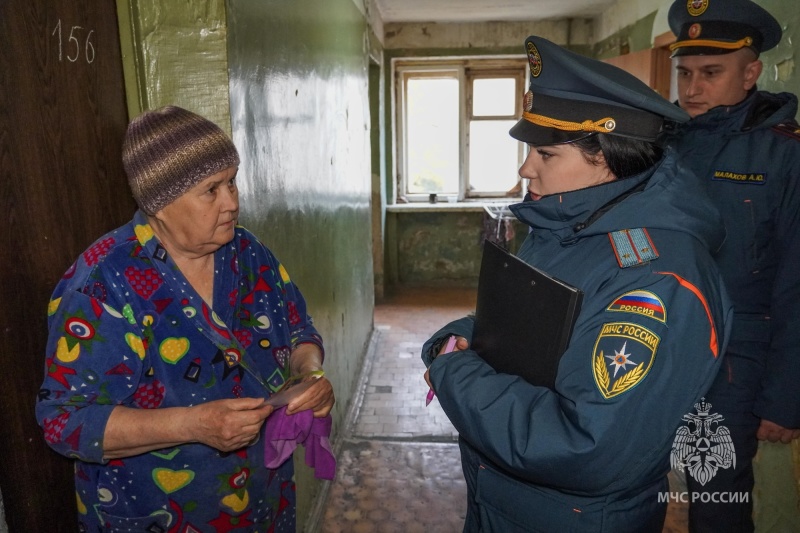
[535,60]
[623,355]
[694,31]
[697,7]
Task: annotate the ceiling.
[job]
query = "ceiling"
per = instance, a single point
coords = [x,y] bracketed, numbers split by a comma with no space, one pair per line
[487,10]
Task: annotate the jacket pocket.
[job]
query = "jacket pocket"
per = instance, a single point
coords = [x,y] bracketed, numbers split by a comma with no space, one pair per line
[510,506]
[756,236]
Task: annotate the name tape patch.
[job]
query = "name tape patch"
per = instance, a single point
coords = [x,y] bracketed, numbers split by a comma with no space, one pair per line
[749,178]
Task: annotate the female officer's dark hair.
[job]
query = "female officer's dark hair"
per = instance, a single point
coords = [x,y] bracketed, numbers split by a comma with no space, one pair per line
[624,157]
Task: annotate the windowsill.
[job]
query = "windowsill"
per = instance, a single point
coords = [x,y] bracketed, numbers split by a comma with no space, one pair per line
[450,207]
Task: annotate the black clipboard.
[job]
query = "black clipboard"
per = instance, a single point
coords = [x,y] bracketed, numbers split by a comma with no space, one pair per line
[523,318]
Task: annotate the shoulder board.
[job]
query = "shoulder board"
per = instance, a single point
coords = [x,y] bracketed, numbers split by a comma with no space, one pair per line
[789,129]
[632,247]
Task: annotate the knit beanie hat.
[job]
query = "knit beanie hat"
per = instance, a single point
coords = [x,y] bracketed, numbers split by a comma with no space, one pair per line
[169,150]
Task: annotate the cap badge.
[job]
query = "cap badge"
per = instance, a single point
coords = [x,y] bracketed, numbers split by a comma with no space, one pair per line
[694,31]
[527,101]
[696,7]
[535,60]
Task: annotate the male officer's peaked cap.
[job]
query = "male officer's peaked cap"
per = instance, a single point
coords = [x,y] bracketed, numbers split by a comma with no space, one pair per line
[572,96]
[714,27]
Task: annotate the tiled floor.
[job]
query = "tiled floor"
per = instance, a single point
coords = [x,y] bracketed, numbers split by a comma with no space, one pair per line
[398,468]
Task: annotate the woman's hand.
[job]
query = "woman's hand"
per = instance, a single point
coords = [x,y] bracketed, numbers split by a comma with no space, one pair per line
[230,424]
[226,425]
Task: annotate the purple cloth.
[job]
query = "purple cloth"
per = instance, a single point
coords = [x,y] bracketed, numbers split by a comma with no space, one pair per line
[282,434]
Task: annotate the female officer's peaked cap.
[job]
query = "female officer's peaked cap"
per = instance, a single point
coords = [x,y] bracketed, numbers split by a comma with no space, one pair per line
[572,96]
[714,27]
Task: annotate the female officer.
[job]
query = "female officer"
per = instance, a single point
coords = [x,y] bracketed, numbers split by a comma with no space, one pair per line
[607,216]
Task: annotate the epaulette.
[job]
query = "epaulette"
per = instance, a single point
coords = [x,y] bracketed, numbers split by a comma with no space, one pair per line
[633,247]
[789,129]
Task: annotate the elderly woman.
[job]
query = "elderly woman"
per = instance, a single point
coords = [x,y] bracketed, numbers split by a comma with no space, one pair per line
[608,215]
[165,338]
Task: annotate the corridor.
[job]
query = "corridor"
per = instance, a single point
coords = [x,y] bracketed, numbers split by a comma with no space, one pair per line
[398,466]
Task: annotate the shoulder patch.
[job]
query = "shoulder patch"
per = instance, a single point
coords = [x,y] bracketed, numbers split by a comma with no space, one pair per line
[640,302]
[622,357]
[789,129]
[632,247]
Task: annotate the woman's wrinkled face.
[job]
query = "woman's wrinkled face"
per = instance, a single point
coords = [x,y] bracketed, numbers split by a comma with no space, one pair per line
[561,168]
[201,220]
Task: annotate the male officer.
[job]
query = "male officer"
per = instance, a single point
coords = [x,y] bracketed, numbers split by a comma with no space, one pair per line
[744,145]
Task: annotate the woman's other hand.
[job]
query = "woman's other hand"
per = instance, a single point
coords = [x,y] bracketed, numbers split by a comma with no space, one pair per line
[306,359]
[318,397]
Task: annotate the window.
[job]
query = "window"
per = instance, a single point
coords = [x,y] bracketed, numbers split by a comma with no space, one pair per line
[452,127]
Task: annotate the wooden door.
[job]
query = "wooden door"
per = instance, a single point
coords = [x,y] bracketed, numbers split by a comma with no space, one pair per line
[62,119]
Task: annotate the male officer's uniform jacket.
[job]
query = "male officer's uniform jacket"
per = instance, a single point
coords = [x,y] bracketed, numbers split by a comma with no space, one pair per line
[747,157]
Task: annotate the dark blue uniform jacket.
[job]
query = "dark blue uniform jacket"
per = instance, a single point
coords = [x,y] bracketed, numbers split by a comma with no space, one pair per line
[593,454]
[748,159]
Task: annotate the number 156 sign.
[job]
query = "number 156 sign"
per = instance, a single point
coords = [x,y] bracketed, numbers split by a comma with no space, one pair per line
[79,39]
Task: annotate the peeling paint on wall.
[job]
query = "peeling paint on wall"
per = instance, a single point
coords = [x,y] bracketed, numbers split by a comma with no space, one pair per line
[784,71]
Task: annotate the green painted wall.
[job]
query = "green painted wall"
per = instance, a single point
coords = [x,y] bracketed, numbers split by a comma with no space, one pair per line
[175,52]
[300,118]
[289,80]
[780,71]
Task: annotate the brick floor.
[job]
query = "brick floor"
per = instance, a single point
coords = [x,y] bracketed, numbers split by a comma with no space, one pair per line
[401,456]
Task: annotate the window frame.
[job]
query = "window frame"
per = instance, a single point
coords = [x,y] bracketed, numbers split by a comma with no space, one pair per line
[465,70]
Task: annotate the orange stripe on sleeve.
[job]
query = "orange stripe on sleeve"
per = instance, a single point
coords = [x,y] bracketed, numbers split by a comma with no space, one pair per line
[713,343]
